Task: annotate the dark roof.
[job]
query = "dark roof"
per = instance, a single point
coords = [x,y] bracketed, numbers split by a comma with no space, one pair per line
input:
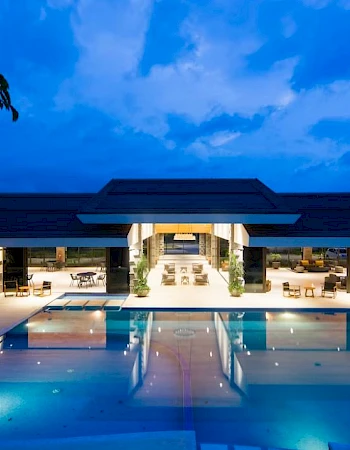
[185,196]
[50,215]
[321,215]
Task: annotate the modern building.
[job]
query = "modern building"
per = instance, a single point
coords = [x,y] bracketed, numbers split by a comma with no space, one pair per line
[130,216]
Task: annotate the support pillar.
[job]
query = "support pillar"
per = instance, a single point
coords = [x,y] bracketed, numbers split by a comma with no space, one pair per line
[153,251]
[208,247]
[16,265]
[214,251]
[254,259]
[161,244]
[307,253]
[231,243]
[117,270]
[61,254]
[202,244]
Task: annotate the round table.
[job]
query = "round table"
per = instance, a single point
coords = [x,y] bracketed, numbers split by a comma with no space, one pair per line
[311,288]
[89,275]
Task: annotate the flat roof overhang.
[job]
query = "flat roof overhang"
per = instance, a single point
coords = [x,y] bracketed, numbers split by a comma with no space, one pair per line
[254,219]
[299,241]
[64,242]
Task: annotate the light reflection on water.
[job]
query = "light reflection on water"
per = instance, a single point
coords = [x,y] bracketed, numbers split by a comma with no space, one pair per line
[235,378]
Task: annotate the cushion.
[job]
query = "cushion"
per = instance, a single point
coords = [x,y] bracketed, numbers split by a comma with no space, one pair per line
[319,263]
[304,262]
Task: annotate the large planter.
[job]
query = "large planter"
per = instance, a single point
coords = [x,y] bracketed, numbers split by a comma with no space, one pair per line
[143,293]
[276,264]
[235,293]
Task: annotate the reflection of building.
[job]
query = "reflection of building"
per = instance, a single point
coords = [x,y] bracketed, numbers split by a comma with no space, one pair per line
[131,216]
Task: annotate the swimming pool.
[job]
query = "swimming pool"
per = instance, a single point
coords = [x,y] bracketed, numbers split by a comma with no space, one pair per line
[271,379]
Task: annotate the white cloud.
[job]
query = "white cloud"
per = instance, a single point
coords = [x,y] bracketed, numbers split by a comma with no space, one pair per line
[207,81]
[43,14]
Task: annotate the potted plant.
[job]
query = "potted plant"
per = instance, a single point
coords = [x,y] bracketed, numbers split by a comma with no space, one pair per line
[236,273]
[141,288]
[276,260]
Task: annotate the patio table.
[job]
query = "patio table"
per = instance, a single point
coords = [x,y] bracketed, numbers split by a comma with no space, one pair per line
[89,275]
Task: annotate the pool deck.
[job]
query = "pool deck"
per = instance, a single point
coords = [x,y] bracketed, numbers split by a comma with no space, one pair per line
[215,296]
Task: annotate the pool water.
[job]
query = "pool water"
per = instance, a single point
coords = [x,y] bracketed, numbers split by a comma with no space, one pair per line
[270,379]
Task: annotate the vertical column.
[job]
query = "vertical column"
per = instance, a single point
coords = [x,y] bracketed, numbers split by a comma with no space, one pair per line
[16,265]
[153,250]
[161,244]
[139,238]
[61,254]
[117,270]
[254,259]
[307,253]
[208,247]
[231,244]
[214,251]
[202,244]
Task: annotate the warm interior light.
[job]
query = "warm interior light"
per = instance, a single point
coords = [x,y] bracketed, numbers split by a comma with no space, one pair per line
[184,237]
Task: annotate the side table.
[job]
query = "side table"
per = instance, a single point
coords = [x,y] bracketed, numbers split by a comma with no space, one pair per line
[23,291]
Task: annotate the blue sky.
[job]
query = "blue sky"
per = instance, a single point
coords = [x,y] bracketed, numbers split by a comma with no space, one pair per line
[176,88]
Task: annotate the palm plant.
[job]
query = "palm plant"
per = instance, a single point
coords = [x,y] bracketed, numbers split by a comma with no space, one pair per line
[236,273]
[141,287]
[5,98]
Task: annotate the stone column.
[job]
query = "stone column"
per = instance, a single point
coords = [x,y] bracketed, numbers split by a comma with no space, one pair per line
[214,251]
[307,253]
[153,250]
[202,244]
[254,259]
[61,254]
[139,238]
[208,246]
[231,243]
[117,270]
[161,244]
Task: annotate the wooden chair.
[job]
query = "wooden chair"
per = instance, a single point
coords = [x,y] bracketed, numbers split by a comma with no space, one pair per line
[40,290]
[294,292]
[201,278]
[10,287]
[329,288]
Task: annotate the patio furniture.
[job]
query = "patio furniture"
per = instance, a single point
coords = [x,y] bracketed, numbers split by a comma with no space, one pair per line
[268,285]
[339,269]
[291,290]
[84,280]
[342,282]
[88,275]
[201,278]
[101,277]
[23,291]
[197,268]
[30,279]
[309,288]
[299,269]
[10,287]
[170,268]
[168,279]
[185,279]
[73,278]
[183,269]
[41,289]
[329,288]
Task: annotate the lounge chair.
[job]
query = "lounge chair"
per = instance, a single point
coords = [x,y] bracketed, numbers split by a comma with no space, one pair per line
[197,268]
[41,289]
[201,278]
[329,288]
[168,279]
[170,268]
[10,287]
